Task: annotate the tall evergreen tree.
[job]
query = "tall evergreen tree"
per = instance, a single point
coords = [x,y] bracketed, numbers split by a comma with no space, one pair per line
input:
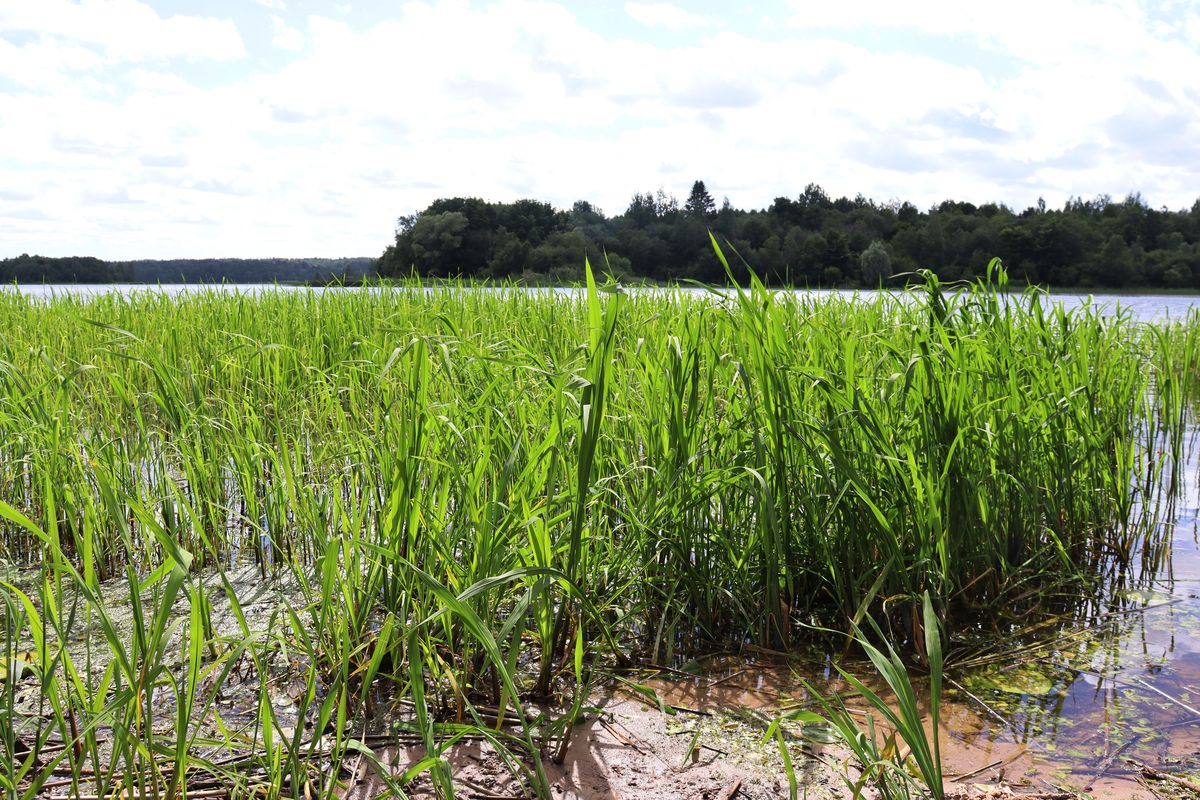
[700,203]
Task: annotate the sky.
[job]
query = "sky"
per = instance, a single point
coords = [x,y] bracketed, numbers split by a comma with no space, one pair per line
[292,128]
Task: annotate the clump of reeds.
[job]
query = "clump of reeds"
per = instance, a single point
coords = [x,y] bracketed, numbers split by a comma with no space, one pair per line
[477,496]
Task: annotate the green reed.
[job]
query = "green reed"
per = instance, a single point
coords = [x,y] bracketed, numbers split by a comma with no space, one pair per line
[900,758]
[467,501]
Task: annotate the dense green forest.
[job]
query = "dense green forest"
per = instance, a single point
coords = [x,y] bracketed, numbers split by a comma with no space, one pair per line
[81,269]
[73,269]
[811,240]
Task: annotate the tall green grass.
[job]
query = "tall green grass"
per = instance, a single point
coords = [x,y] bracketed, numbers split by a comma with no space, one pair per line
[470,500]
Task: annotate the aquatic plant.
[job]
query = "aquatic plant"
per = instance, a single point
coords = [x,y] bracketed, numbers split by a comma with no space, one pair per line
[901,757]
[462,503]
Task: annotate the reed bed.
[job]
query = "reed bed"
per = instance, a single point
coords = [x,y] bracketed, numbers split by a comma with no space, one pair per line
[471,502]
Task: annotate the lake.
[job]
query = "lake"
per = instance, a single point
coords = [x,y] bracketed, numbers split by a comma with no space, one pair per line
[1144,307]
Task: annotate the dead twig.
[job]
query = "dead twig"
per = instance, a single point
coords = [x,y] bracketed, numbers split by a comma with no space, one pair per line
[1161,693]
[727,678]
[979,702]
[1157,774]
[974,772]
[620,737]
[1108,762]
[687,710]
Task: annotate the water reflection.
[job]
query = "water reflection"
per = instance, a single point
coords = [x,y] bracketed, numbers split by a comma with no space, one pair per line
[1119,681]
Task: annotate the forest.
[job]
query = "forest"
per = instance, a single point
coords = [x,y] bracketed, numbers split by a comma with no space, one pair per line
[29,269]
[811,240]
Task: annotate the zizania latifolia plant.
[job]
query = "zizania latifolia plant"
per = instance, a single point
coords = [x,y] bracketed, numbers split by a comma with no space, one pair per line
[900,759]
[255,540]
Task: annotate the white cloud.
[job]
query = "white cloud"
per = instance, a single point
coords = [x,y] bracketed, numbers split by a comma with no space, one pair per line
[667,15]
[124,29]
[45,65]
[317,153]
[286,37]
[1033,31]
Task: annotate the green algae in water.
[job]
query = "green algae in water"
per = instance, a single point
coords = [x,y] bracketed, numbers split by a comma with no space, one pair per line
[1033,680]
[1145,597]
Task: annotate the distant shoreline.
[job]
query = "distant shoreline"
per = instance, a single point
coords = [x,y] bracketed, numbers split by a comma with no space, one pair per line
[369,282]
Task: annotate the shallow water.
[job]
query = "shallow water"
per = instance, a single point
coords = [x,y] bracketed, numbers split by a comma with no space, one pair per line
[1143,307]
[1122,683]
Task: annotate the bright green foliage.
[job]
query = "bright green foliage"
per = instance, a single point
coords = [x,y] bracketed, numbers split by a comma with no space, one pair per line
[484,495]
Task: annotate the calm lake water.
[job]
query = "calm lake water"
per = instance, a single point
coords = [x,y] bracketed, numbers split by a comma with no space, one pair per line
[1142,306]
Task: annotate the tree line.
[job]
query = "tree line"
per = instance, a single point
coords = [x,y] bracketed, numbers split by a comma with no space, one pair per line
[85,269]
[811,240]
